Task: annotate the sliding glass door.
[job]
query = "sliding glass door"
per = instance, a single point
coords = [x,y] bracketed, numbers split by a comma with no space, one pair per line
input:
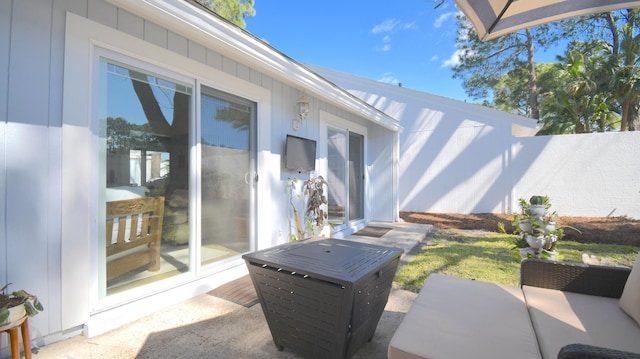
[166,213]
[356,176]
[228,160]
[145,119]
[345,175]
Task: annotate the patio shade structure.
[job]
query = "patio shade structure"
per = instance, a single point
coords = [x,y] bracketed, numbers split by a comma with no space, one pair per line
[494,18]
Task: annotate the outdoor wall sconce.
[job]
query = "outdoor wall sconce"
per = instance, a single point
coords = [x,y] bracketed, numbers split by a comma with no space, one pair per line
[302,107]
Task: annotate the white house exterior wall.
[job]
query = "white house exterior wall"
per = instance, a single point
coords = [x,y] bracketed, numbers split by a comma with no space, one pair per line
[380,178]
[451,152]
[47,172]
[450,163]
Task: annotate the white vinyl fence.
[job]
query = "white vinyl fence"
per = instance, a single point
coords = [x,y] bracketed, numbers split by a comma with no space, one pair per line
[479,170]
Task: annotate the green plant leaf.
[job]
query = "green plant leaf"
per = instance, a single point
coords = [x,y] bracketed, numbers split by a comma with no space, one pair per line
[28,307]
[38,305]
[4,314]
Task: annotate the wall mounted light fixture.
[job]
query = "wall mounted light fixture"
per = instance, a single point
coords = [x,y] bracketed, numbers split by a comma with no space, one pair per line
[302,107]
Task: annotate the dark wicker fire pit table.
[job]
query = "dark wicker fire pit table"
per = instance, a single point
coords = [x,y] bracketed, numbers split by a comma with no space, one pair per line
[323,298]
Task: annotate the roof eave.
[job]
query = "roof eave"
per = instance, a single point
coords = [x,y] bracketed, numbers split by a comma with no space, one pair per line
[194,22]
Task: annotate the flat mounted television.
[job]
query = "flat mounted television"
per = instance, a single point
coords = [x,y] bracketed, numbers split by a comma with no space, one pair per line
[300,154]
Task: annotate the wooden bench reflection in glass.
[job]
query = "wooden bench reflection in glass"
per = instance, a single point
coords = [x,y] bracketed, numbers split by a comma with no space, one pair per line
[134,231]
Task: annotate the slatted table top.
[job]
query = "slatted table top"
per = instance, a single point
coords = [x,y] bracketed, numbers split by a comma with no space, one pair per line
[332,259]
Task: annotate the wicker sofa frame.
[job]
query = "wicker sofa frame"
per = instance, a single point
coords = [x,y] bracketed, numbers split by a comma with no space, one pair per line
[578,278]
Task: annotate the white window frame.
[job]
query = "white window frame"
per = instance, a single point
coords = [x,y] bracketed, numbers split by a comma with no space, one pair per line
[85,42]
[98,251]
[328,120]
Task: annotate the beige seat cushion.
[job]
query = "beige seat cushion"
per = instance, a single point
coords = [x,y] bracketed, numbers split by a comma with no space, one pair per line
[630,299]
[461,318]
[562,318]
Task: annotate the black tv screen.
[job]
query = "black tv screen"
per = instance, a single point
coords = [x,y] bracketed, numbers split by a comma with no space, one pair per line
[300,154]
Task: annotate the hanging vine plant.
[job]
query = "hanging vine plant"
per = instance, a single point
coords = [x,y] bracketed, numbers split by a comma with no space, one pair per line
[316,200]
[315,203]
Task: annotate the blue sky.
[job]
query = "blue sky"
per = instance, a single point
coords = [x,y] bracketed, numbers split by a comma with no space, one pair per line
[408,42]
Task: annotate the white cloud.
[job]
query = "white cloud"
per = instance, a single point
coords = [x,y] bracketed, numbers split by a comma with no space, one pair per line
[435,58]
[385,26]
[442,18]
[390,26]
[386,44]
[453,60]
[409,26]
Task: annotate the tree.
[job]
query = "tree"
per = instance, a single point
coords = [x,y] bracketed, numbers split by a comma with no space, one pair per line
[173,133]
[594,87]
[484,63]
[626,84]
[576,99]
[575,93]
[122,135]
[617,35]
[511,91]
[233,10]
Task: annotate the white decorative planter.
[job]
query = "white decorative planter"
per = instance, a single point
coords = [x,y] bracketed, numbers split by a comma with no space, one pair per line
[537,210]
[550,241]
[548,227]
[525,225]
[15,315]
[536,243]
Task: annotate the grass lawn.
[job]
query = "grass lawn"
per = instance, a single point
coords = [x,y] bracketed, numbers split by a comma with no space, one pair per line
[489,256]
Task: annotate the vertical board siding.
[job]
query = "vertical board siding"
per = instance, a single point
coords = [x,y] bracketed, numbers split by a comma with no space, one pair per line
[28,99]
[276,118]
[177,44]
[27,174]
[197,52]
[102,12]
[156,34]
[256,78]
[130,24]
[44,203]
[5,40]
[214,59]
[229,66]
[243,72]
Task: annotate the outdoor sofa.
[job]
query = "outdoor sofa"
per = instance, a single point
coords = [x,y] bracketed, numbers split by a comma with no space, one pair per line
[560,310]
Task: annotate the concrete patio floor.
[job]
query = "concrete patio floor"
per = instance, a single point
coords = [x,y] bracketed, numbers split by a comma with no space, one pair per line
[210,327]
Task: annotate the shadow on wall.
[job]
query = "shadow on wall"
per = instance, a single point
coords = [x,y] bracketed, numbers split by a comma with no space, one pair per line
[454,164]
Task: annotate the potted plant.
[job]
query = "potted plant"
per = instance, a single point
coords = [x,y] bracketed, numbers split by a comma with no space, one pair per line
[535,242]
[533,233]
[522,222]
[538,205]
[16,305]
[537,229]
